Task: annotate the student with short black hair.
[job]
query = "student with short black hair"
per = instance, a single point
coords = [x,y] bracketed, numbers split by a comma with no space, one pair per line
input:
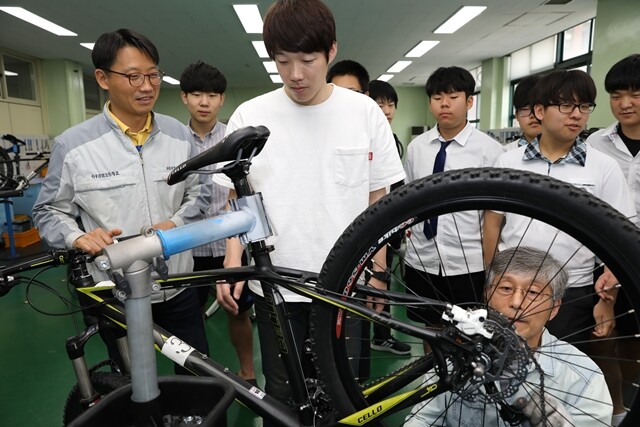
[524,112]
[439,265]
[350,74]
[203,87]
[562,101]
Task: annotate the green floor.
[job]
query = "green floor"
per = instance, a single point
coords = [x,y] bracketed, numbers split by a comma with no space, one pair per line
[36,373]
[37,376]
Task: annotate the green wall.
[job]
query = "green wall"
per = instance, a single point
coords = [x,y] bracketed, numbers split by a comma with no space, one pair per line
[64,94]
[617,35]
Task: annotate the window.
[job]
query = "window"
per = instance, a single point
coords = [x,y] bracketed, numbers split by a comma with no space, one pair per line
[19,78]
[570,49]
[534,58]
[577,41]
[473,115]
[94,97]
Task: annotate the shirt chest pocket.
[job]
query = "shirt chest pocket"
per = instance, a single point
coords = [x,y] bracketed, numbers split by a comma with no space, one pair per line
[165,192]
[106,194]
[586,185]
[351,166]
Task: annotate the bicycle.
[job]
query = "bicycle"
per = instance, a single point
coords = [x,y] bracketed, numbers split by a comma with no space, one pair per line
[17,181]
[340,291]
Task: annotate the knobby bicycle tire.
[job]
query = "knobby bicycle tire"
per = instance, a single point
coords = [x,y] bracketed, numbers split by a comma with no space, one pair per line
[604,231]
[103,382]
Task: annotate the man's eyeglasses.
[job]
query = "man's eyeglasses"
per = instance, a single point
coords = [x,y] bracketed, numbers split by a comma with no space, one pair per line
[584,108]
[137,79]
[531,294]
[524,112]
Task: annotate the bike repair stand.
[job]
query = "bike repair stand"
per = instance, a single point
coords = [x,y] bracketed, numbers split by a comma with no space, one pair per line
[5,198]
[146,405]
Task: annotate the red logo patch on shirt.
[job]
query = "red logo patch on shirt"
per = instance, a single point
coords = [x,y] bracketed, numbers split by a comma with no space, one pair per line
[370,155]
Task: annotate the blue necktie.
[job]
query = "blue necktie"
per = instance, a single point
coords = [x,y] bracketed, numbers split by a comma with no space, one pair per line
[431,225]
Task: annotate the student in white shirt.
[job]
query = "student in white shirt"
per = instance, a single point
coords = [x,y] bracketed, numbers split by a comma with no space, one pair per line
[448,266]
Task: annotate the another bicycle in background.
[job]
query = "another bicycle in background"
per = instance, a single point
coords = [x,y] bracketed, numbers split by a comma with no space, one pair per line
[11,177]
[477,355]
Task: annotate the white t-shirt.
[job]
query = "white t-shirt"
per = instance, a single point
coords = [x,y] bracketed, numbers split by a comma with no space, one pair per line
[316,170]
[600,176]
[458,240]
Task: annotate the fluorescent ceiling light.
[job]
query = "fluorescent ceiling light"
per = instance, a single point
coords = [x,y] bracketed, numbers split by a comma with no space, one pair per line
[421,48]
[260,49]
[88,45]
[171,80]
[275,78]
[249,17]
[34,19]
[270,66]
[10,73]
[398,66]
[385,77]
[461,17]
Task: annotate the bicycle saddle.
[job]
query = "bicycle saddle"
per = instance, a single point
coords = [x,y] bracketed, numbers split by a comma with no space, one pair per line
[241,144]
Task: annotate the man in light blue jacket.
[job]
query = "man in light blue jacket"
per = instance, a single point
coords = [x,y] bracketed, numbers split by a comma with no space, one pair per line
[526,286]
[110,171]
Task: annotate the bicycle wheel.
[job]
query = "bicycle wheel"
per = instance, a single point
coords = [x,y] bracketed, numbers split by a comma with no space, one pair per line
[595,225]
[103,382]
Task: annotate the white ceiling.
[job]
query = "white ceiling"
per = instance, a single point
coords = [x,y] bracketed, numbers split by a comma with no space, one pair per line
[375,33]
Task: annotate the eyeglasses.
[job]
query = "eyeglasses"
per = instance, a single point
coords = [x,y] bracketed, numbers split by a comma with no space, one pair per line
[137,79]
[531,294]
[584,108]
[523,112]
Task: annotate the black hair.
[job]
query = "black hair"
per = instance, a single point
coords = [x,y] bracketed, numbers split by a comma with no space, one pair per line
[624,75]
[348,67]
[298,26]
[383,91]
[522,94]
[202,77]
[449,80]
[560,86]
[106,48]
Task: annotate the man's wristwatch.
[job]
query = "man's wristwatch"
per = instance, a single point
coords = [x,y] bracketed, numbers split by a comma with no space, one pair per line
[383,276]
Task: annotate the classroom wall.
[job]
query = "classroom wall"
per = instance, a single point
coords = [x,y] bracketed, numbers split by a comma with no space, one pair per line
[617,35]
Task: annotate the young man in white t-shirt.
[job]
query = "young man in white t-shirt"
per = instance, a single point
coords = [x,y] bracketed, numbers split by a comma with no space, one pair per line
[330,155]
[562,101]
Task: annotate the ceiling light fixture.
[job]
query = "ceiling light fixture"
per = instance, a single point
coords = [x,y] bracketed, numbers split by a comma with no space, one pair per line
[460,18]
[8,73]
[250,18]
[88,45]
[270,66]
[385,77]
[171,80]
[260,48]
[38,21]
[276,78]
[398,66]
[421,48]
